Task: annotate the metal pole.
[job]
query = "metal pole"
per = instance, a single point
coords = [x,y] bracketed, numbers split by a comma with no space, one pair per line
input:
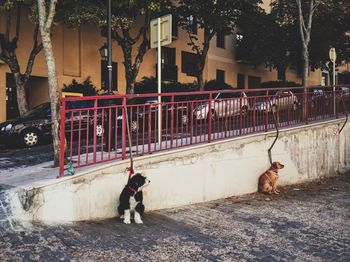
[109,42]
[334,88]
[159,83]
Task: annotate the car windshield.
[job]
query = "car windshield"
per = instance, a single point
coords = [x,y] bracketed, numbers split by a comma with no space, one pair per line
[36,110]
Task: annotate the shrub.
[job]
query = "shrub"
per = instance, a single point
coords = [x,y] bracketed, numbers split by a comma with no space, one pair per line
[216,85]
[276,84]
[86,88]
[149,85]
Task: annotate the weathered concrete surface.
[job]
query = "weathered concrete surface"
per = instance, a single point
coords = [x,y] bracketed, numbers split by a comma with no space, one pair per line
[193,175]
[304,223]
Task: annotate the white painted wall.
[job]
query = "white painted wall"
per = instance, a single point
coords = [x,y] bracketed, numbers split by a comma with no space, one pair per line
[196,174]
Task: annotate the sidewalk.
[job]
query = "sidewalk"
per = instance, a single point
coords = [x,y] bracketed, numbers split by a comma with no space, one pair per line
[304,223]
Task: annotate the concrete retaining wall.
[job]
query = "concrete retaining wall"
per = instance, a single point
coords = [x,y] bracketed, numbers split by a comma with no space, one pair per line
[192,175]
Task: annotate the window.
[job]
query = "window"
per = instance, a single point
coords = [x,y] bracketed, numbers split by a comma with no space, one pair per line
[191,24]
[104,75]
[169,67]
[168,56]
[188,63]
[254,82]
[240,81]
[220,40]
[175,26]
[220,76]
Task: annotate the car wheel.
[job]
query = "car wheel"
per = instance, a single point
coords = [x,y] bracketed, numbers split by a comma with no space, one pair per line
[213,115]
[99,130]
[30,138]
[134,126]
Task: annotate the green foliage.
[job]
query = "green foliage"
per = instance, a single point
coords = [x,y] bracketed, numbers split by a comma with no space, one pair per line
[86,88]
[273,39]
[216,85]
[124,13]
[212,15]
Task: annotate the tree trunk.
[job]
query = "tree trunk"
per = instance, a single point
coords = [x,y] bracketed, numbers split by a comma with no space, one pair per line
[281,73]
[132,69]
[305,66]
[130,83]
[200,81]
[54,96]
[21,94]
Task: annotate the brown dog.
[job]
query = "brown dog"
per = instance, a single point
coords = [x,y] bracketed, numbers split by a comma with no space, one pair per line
[268,180]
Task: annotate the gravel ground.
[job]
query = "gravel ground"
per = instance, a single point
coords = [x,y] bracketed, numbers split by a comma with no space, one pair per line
[309,222]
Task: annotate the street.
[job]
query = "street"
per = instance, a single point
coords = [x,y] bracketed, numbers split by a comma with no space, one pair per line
[304,223]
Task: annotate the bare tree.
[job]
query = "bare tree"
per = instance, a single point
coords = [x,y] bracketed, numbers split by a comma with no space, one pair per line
[305,25]
[46,18]
[8,48]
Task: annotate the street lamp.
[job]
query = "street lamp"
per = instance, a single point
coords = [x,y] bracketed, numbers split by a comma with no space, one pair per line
[106,49]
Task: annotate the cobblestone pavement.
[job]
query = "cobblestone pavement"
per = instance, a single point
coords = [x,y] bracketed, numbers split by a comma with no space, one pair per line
[304,223]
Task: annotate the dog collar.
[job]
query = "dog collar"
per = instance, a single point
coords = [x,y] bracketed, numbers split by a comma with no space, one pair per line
[133,189]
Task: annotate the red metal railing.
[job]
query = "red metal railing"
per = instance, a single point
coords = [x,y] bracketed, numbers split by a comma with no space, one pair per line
[94,128]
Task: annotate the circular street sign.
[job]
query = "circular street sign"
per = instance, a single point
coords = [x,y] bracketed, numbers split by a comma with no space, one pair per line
[332,55]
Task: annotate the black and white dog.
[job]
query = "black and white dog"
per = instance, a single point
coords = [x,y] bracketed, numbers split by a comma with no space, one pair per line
[130,199]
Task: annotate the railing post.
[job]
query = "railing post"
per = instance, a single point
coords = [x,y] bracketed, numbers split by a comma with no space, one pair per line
[210,117]
[306,113]
[63,137]
[172,120]
[94,132]
[267,107]
[240,115]
[124,130]
[335,104]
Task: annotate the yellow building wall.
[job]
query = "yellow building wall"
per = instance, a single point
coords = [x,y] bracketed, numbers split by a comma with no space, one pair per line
[77,56]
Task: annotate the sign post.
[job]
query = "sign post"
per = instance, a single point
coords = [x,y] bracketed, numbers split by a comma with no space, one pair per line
[333,58]
[161,35]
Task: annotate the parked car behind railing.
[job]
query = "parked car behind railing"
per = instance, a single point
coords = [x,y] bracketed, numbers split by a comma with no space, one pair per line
[223,105]
[282,99]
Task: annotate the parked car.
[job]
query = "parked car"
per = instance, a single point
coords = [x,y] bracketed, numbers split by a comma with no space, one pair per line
[282,99]
[319,97]
[147,109]
[223,105]
[35,125]
[345,91]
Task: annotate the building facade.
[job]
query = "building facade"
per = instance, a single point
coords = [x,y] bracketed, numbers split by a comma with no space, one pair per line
[77,57]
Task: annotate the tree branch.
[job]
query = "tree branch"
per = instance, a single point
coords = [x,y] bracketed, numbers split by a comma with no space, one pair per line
[4,58]
[35,50]
[42,14]
[18,22]
[8,26]
[117,37]
[301,21]
[195,47]
[51,15]
[144,28]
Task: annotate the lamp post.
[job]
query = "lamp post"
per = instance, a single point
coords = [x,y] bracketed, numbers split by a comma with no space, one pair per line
[106,49]
[109,43]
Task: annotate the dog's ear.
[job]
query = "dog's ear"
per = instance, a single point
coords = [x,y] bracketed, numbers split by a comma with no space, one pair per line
[274,165]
